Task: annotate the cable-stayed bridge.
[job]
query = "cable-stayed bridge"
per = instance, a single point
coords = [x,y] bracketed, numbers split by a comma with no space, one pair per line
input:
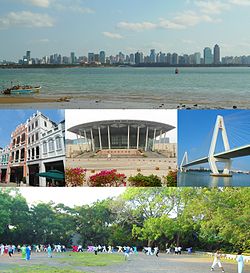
[213,158]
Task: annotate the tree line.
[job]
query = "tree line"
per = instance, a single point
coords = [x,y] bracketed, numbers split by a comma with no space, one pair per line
[203,218]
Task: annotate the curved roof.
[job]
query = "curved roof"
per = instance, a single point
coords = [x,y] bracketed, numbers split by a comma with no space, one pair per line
[119,124]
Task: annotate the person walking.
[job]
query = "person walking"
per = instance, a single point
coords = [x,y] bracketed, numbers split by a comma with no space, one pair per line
[240,261]
[49,250]
[10,250]
[2,249]
[216,261]
[28,251]
[23,249]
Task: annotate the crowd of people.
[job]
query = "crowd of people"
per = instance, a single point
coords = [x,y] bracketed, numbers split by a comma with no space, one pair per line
[25,251]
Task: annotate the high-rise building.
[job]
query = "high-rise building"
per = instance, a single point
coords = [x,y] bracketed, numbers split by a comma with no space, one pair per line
[175,59]
[152,56]
[197,58]
[28,55]
[139,57]
[102,57]
[132,58]
[169,58]
[72,58]
[91,58]
[216,54]
[208,56]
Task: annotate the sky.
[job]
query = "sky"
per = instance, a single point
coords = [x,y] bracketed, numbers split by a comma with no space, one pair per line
[10,119]
[76,117]
[69,196]
[183,26]
[195,131]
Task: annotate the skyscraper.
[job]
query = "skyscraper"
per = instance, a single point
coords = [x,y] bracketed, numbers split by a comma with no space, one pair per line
[175,59]
[138,57]
[208,56]
[102,57]
[72,57]
[152,56]
[28,55]
[216,54]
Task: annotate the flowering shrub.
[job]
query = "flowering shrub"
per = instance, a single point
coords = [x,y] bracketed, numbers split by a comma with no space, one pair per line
[140,180]
[171,179]
[75,177]
[107,178]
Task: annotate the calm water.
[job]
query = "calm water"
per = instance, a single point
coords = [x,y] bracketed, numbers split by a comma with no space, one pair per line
[214,87]
[203,179]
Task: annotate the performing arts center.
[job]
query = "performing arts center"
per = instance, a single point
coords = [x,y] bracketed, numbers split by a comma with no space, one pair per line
[121,137]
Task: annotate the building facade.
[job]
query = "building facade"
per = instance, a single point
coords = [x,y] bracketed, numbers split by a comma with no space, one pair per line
[216,54]
[17,166]
[208,56]
[36,146]
[121,134]
[4,160]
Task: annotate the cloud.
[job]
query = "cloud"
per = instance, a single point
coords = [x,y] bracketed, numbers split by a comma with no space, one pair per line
[112,35]
[212,7]
[180,21]
[38,3]
[74,7]
[240,2]
[137,26]
[25,19]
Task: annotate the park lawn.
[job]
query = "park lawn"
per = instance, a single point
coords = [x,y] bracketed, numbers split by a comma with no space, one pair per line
[39,269]
[89,259]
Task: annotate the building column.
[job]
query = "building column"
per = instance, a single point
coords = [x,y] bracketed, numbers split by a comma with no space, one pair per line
[160,146]
[128,137]
[164,142]
[92,140]
[85,136]
[109,138]
[100,138]
[146,142]
[42,180]
[154,139]
[138,137]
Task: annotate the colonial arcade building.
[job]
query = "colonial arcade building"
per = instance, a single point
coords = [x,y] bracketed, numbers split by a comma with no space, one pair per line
[27,153]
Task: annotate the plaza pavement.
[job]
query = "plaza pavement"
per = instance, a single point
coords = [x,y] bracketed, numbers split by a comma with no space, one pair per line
[140,263]
[128,166]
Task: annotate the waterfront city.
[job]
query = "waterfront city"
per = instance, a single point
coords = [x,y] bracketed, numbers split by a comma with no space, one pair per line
[210,56]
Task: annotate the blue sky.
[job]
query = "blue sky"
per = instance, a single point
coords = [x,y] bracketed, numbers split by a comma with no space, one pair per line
[182,26]
[10,119]
[195,130]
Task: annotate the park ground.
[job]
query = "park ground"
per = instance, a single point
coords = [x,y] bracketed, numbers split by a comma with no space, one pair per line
[112,263]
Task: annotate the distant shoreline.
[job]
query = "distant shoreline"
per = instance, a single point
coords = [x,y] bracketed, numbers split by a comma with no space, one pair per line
[18,66]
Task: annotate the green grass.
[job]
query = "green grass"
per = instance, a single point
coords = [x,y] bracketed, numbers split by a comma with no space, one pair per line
[66,263]
[89,259]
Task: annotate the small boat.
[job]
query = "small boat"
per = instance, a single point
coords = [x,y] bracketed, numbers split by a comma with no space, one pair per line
[176,71]
[21,89]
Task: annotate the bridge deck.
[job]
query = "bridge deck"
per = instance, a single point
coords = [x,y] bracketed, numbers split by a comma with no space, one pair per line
[232,153]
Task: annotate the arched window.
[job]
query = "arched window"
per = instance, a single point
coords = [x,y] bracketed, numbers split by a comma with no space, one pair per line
[45,147]
[58,143]
[51,145]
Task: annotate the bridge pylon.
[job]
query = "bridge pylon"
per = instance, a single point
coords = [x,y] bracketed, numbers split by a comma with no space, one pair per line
[183,162]
[212,160]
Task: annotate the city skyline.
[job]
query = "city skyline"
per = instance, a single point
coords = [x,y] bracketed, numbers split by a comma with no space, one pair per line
[210,56]
[44,26]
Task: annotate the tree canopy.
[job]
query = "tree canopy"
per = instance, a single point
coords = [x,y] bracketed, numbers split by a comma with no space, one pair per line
[199,217]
